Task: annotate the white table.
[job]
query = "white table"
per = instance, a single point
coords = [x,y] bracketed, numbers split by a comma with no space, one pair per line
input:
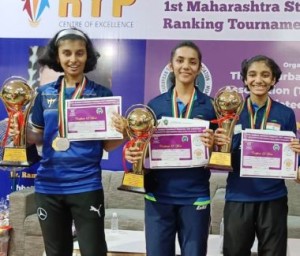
[128,241]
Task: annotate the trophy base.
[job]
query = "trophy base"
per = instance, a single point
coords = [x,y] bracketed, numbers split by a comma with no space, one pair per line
[133,182]
[20,156]
[220,161]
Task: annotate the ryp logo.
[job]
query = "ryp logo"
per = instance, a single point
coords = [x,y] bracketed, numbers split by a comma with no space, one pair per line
[117,7]
[35,9]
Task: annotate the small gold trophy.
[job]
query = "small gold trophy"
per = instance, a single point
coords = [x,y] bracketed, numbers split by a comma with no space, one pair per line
[228,105]
[141,123]
[18,98]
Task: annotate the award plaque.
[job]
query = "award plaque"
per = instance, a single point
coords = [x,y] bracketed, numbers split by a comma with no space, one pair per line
[140,125]
[228,104]
[17,97]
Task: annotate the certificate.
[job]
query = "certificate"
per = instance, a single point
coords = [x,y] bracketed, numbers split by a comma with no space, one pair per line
[267,154]
[176,144]
[90,118]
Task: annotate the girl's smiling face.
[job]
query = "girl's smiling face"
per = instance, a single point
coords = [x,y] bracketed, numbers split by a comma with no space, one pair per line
[186,65]
[259,78]
[72,56]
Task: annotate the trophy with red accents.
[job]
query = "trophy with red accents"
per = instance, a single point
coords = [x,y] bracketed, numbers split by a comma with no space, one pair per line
[228,105]
[141,123]
[18,98]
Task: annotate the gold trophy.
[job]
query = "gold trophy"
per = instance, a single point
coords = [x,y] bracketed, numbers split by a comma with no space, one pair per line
[18,98]
[140,125]
[228,105]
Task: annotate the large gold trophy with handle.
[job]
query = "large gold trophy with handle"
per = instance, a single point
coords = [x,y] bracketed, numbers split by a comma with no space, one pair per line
[228,105]
[140,125]
[18,98]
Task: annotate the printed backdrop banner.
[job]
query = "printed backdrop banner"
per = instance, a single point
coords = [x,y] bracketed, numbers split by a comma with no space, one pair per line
[261,20]
[221,66]
[135,38]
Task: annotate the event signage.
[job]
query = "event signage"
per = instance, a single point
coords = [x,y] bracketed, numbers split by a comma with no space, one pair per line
[131,19]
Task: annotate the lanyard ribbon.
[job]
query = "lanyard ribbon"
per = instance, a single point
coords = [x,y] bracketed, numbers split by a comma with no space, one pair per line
[62,104]
[253,116]
[189,105]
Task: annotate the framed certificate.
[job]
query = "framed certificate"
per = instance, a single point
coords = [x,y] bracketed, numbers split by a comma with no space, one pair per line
[176,144]
[90,118]
[267,154]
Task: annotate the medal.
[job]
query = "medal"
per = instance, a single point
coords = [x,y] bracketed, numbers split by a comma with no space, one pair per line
[60,144]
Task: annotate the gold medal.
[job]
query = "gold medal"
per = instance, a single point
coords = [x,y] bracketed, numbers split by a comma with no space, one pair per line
[60,144]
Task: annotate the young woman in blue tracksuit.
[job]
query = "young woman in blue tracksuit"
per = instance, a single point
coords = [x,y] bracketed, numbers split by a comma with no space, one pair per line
[257,206]
[68,184]
[178,200]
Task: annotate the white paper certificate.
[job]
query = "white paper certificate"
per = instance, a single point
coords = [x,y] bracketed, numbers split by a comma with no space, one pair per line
[176,144]
[266,154]
[90,118]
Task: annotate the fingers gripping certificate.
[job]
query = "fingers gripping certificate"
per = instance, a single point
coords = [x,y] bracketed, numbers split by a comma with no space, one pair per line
[267,154]
[176,144]
[90,118]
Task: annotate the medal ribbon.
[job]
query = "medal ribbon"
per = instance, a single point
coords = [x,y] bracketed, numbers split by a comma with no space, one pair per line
[62,104]
[189,105]
[252,115]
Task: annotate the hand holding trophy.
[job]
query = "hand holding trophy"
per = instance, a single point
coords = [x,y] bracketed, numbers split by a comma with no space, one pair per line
[140,125]
[228,105]
[18,98]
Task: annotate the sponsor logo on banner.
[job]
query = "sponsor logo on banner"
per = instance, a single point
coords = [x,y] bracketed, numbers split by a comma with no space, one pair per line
[203,80]
[79,9]
[35,9]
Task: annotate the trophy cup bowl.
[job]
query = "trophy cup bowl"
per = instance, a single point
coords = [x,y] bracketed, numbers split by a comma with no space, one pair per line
[140,125]
[16,94]
[17,97]
[228,105]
